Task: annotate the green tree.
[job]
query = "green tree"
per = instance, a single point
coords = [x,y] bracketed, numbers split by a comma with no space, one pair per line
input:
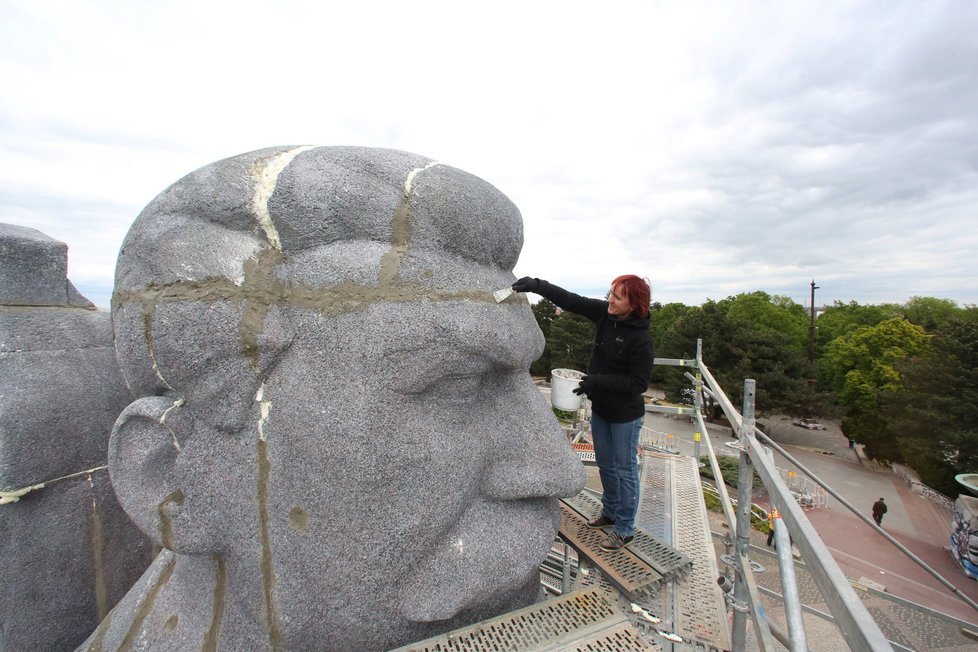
[860,367]
[738,344]
[931,416]
[778,314]
[841,319]
[663,319]
[705,323]
[570,341]
[928,312]
[545,313]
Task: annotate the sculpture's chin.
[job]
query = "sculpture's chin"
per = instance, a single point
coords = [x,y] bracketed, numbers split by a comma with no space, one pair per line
[489,564]
[481,607]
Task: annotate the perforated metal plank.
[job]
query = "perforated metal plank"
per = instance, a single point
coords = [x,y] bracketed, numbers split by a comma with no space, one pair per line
[655,511]
[585,453]
[700,612]
[619,638]
[552,569]
[585,503]
[551,585]
[622,568]
[665,560]
[556,624]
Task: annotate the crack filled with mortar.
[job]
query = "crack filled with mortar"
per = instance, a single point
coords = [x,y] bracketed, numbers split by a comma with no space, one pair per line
[101,598]
[100,632]
[147,606]
[174,499]
[401,231]
[217,609]
[8,496]
[260,290]
[149,312]
[265,176]
[176,404]
[390,262]
[264,407]
[207,290]
[332,301]
[268,578]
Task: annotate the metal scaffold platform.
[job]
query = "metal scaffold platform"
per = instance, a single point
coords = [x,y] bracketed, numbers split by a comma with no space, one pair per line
[584,620]
[659,593]
[672,510]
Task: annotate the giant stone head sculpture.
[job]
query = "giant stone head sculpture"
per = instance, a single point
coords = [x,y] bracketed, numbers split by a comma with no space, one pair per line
[334,435]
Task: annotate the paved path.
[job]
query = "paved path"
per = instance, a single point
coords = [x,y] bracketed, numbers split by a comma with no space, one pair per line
[917,523]
[914,521]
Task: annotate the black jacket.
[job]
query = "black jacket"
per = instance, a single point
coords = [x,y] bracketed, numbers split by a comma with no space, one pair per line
[621,360]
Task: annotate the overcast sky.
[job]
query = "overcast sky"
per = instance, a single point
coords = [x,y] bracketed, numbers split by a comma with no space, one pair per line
[715,147]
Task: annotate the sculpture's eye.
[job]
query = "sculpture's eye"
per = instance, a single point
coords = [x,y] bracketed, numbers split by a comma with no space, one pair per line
[455,387]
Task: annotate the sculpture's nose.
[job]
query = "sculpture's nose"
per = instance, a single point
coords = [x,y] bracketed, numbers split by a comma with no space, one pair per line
[530,456]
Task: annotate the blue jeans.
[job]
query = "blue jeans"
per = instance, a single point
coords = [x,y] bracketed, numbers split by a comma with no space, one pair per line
[616,452]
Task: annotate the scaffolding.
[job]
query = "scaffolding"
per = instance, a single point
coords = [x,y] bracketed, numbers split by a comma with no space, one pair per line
[792,527]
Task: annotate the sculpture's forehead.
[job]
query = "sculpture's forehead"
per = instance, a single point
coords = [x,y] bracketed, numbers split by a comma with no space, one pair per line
[351,275]
[330,195]
[503,336]
[211,223]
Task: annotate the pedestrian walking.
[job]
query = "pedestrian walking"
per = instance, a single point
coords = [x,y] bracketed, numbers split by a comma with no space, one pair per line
[771,516]
[879,508]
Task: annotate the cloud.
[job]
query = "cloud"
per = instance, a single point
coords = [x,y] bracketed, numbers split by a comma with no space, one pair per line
[714,148]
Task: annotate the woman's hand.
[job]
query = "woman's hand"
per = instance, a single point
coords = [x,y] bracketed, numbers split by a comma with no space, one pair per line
[526,284]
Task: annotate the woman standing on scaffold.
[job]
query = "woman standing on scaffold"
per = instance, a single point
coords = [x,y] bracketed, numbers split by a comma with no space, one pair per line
[618,374]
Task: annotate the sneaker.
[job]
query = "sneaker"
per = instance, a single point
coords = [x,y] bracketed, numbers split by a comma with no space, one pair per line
[601,521]
[615,542]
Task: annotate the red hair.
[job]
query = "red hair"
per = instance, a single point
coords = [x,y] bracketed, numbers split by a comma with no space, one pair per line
[637,291]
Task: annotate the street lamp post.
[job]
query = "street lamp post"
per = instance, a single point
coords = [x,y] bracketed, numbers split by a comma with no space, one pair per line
[811,328]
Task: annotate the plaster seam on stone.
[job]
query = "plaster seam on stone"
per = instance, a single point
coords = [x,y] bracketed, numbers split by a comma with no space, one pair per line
[401,232]
[148,314]
[415,172]
[265,407]
[147,605]
[13,495]
[265,181]
[336,300]
[260,290]
[165,526]
[217,609]
[176,404]
[89,308]
[268,578]
[100,632]
[101,600]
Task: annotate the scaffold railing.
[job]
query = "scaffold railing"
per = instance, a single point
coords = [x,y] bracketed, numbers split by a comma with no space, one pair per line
[793,527]
[791,494]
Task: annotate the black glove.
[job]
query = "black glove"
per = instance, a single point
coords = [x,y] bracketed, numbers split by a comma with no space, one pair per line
[587,384]
[526,284]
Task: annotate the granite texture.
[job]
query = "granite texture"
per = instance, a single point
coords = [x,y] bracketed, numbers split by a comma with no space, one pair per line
[34,270]
[69,551]
[334,435]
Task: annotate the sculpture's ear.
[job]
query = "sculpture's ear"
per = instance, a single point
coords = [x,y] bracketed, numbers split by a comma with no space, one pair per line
[144,453]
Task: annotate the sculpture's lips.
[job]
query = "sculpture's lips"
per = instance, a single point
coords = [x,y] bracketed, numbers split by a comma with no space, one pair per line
[488,558]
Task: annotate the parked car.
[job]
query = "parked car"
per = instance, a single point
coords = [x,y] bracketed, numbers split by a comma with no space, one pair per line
[809,424]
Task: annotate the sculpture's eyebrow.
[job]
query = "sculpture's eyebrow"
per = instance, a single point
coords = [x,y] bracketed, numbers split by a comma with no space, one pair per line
[461,347]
